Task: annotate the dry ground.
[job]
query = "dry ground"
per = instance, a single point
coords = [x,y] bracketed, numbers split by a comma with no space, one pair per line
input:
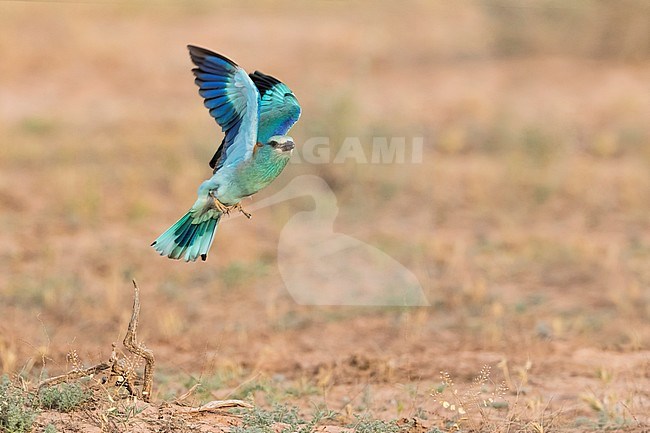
[527,223]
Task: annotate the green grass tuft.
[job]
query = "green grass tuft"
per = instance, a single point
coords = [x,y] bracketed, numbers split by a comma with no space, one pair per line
[368,425]
[64,398]
[16,412]
[258,420]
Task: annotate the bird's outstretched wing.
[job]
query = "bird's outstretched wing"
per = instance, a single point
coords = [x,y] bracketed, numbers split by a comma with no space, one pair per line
[233,100]
[279,108]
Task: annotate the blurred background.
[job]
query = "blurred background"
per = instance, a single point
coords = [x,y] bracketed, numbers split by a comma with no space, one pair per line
[527,222]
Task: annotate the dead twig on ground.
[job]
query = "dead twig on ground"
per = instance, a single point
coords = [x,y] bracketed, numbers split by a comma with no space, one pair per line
[131,343]
[216,405]
[119,372]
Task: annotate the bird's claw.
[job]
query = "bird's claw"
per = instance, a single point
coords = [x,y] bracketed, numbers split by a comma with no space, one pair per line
[220,206]
[240,209]
[224,209]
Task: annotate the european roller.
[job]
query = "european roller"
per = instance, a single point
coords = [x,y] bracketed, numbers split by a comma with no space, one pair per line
[255,111]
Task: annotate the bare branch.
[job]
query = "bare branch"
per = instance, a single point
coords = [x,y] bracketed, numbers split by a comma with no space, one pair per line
[217,405]
[131,343]
[119,369]
[75,374]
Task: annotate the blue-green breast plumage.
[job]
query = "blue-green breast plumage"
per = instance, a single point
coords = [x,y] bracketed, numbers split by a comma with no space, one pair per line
[260,171]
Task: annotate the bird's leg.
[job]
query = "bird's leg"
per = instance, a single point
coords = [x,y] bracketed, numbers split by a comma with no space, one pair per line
[220,206]
[225,209]
[240,209]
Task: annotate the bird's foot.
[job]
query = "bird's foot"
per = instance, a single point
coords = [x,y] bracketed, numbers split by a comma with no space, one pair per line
[225,209]
[221,207]
[240,209]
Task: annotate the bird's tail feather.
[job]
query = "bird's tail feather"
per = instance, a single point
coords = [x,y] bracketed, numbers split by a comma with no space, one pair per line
[190,237]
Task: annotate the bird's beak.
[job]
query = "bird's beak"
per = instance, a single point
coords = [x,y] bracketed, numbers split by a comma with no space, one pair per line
[284,147]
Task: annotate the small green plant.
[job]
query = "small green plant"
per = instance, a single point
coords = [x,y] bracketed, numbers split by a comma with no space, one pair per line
[64,397]
[258,420]
[50,428]
[367,425]
[16,412]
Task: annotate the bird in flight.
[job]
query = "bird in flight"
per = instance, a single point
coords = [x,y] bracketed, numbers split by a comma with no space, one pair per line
[255,112]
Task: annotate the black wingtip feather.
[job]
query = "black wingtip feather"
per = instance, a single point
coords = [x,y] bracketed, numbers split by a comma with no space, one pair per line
[198,55]
[217,155]
[204,257]
[263,82]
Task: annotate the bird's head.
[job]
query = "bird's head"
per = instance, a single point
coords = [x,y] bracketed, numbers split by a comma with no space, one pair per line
[282,144]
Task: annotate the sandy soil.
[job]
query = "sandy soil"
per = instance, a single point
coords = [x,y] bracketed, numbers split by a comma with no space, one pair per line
[527,222]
